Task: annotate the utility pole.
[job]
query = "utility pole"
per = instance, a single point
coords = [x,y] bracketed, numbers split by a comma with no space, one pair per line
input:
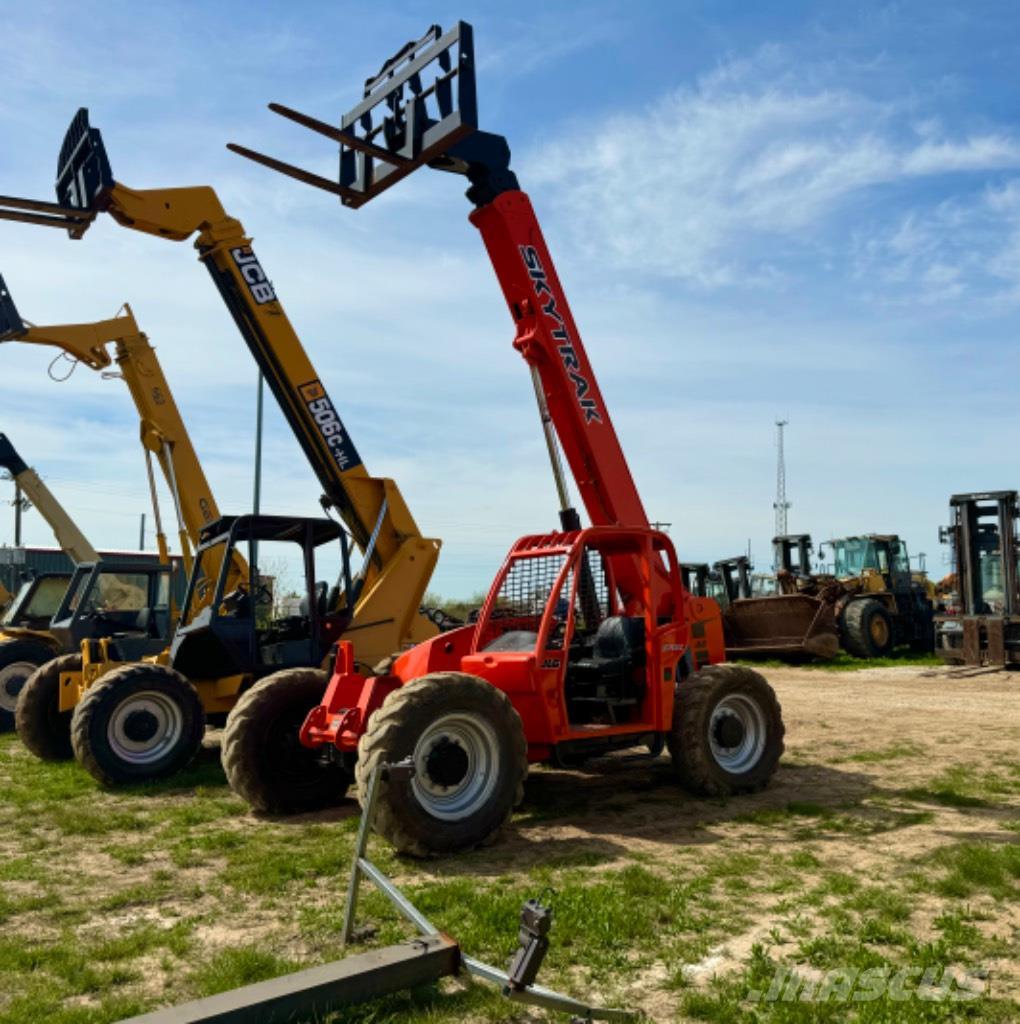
[781,505]
[18,507]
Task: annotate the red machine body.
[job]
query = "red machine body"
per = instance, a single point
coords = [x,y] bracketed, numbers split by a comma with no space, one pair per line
[588,640]
[541,622]
[638,565]
[619,578]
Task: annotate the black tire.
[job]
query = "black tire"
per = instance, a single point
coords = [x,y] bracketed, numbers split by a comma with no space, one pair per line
[420,816]
[867,629]
[137,722]
[18,660]
[42,726]
[727,734]
[265,763]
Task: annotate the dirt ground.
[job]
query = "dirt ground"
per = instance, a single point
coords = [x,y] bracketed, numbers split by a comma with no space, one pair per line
[890,831]
[938,718]
[874,744]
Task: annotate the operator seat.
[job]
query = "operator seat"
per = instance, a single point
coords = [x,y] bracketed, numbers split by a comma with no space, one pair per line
[606,680]
[321,600]
[618,648]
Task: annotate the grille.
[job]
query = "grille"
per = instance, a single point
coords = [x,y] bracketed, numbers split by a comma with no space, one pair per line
[594,600]
[523,596]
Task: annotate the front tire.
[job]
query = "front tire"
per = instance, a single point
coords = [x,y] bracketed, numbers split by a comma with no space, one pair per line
[265,762]
[42,726]
[137,722]
[18,660]
[470,755]
[867,629]
[727,734]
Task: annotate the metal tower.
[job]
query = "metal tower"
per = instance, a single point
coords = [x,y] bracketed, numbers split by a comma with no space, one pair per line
[781,505]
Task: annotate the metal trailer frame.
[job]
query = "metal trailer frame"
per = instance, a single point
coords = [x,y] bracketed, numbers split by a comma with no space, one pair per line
[369,975]
[533,995]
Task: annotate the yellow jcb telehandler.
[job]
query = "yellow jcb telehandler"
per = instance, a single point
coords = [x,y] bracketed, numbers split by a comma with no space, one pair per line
[226,646]
[121,609]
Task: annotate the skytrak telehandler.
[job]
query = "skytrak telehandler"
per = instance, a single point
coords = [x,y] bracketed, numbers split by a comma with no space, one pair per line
[122,611]
[223,647]
[587,640]
[25,642]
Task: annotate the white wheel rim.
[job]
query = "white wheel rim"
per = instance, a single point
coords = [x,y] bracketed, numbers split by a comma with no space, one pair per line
[478,756]
[145,727]
[12,678]
[737,709]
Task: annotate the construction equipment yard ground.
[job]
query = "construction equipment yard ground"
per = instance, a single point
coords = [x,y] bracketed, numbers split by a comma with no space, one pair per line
[890,835]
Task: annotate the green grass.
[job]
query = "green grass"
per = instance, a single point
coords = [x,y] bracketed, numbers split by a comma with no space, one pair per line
[962,786]
[114,902]
[895,752]
[972,868]
[237,966]
[844,662]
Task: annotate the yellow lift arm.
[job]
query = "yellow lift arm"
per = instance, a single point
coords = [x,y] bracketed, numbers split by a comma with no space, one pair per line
[162,430]
[73,542]
[398,560]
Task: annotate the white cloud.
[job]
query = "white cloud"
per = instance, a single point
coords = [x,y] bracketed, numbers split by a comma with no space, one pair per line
[708,182]
[962,248]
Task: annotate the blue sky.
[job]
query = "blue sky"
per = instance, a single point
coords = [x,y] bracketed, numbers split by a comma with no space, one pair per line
[806,210]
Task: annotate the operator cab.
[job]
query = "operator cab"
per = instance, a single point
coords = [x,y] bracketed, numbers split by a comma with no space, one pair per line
[886,555]
[126,601]
[259,626]
[735,579]
[571,599]
[36,601]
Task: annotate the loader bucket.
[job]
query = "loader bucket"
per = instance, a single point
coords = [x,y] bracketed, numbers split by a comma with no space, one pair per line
[783,625]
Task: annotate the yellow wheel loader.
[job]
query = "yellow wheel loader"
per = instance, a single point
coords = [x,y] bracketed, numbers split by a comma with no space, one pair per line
[232,642]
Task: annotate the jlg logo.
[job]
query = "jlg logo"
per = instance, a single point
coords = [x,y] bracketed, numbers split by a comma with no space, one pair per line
[254,276]
[565,346]
[330,427]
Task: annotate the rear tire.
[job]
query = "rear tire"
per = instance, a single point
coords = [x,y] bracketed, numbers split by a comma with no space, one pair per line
[42,726]
[18,660]
[867,629]
[727,734]
[137,722]
[471,759]
[265,762]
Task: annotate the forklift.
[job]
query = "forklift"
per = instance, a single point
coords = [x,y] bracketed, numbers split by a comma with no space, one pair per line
[587,641]
[378,606]
[980,623]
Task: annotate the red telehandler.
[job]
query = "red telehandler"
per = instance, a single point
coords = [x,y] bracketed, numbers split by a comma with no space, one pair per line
[587,641]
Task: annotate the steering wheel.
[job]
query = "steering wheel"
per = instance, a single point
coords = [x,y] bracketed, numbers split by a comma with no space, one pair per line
[102,618]
[557,635]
